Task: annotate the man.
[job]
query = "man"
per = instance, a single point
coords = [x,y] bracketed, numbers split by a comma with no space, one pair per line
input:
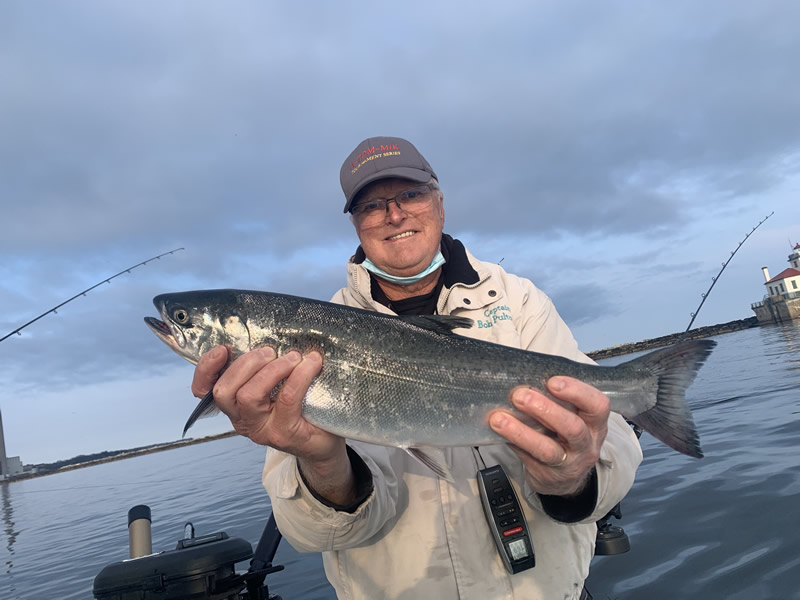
[387,526]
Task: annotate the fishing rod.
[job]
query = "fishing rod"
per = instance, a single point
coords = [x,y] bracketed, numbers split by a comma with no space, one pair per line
[87,290]
[715,279]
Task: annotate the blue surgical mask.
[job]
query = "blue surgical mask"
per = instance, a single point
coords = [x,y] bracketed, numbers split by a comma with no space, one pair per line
[437,262]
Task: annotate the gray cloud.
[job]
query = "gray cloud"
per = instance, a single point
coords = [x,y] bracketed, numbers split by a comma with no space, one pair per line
[577,307]
[583,120]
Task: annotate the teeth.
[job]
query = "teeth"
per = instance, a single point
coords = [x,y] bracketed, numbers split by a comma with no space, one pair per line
[402,235]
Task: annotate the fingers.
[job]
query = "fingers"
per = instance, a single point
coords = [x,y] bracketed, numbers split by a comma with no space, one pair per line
[276,420]
[593,404]
[207,370]
[289,403]
[238,374]
[540,446]
[573,428]
[245,391]
[263,397]
[565,423]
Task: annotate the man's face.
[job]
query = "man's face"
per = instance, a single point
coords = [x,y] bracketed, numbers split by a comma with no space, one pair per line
[401,243]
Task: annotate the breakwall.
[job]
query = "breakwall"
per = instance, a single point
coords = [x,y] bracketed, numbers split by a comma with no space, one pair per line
[668,340]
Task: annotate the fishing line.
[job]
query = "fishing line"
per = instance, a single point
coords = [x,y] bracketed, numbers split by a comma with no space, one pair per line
[84,292]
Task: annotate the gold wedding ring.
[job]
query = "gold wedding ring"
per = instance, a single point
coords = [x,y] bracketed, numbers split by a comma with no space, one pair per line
[561,462]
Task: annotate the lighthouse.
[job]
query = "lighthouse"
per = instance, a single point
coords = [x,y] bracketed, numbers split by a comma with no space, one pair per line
[794,257]
[782,293]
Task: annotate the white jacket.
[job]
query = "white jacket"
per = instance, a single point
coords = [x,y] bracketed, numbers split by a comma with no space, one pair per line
[418,536]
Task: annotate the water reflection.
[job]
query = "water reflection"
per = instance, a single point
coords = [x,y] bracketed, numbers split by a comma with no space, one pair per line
[717,528]
[8,531]
[783,338]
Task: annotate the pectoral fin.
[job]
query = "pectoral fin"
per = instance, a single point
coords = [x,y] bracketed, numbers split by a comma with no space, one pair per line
[205,408]
[433,458]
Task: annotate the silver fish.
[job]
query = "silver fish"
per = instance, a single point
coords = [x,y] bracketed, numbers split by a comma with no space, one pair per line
[410,381]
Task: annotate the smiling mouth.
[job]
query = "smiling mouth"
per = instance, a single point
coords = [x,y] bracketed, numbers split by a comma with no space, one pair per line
[400,236]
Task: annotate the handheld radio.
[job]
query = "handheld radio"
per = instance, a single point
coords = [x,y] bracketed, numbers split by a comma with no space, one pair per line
[506,519]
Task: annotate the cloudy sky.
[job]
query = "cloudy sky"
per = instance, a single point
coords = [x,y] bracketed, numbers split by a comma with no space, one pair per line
[614,153]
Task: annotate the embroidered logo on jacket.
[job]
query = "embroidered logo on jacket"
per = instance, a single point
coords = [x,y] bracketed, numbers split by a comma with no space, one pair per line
[493,315]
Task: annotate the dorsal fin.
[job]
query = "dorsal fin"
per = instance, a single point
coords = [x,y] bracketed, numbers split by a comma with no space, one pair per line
[444,324]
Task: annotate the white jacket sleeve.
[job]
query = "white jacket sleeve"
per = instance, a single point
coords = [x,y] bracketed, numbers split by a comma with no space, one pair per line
[311,526]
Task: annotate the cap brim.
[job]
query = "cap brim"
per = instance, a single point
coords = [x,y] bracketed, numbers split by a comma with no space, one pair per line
[416,175]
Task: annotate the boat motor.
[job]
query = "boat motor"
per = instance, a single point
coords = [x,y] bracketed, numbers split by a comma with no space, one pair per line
[199,568]
[611,539]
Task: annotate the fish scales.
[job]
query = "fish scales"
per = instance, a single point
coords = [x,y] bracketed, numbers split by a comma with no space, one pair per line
[390,381]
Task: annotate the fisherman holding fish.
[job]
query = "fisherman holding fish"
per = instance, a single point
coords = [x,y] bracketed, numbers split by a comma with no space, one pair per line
[387,526]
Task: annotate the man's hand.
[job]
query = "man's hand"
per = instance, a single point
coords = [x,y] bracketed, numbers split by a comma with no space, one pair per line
[244,392]
[557,466]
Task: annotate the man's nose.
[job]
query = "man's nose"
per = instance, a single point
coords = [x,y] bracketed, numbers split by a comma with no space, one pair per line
[394,212]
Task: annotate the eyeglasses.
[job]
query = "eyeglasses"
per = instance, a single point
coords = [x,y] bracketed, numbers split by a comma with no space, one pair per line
[411,201]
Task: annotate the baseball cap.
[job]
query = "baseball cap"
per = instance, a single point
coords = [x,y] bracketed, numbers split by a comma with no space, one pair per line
[378,158]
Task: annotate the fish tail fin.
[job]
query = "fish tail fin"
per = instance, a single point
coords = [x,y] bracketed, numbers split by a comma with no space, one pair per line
[670,420]
[205,408]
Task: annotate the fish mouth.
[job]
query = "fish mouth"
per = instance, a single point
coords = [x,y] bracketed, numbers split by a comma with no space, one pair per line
[168,335]
[163,331]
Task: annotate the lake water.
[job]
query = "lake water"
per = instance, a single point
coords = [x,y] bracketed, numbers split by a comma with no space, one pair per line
[722,527]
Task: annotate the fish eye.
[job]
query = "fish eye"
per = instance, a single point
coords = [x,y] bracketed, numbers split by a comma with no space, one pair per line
[181,316]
